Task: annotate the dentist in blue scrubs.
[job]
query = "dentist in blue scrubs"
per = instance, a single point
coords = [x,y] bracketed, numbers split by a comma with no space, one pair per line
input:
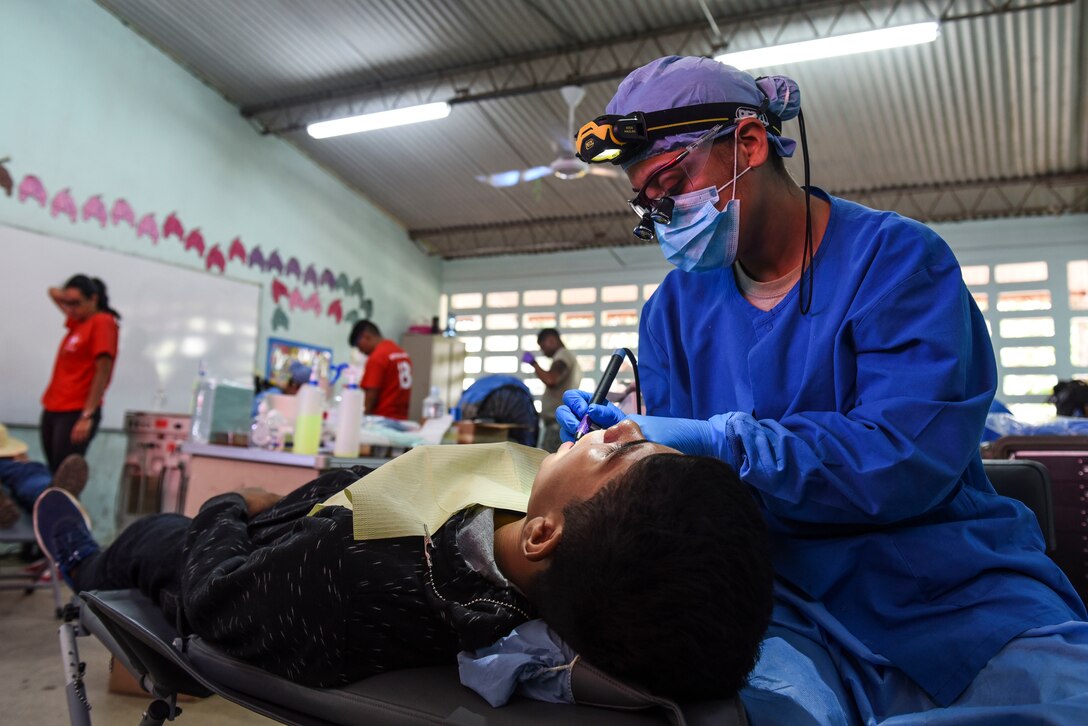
[832,354]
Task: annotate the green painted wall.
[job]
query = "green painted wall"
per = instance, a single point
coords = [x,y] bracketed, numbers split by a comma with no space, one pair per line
[88,105]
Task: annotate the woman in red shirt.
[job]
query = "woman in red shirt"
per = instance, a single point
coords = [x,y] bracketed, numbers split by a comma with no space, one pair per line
[72,403]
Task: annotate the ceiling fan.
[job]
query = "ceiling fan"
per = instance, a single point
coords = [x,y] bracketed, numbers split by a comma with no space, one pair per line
[566,166]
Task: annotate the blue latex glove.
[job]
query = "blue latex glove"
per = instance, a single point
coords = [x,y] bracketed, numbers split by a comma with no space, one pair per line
[528,358]
[575,405]
[691,436]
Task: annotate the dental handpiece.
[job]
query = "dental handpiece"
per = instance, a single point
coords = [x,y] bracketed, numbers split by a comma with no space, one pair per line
[601,393]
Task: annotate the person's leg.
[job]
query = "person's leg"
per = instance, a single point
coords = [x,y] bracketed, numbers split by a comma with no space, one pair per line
[81,448]
[9,510]
[146,556]
[796,681]
[26,480]
[1040,677]
[47,429]
[57,435]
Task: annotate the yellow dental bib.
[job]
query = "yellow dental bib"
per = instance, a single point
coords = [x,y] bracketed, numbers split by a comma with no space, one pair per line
[420,490]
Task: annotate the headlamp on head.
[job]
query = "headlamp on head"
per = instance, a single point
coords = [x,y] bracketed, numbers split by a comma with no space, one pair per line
[611,138]
[615,139]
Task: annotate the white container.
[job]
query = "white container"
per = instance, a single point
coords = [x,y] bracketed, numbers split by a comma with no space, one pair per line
[200,430]
[285,404]
[433,405]
[349,419]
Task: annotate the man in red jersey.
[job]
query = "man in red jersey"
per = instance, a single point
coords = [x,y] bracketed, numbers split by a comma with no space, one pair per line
[387,381]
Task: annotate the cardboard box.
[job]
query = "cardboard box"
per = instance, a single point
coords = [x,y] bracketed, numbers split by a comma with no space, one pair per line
[124,683]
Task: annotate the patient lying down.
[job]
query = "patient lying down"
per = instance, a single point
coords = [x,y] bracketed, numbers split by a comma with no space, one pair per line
[651,564]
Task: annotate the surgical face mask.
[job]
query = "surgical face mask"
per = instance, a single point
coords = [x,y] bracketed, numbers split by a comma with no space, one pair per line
[700,238]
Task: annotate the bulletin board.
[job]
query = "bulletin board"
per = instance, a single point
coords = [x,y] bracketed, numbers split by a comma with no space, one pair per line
[283,352]
[172,318]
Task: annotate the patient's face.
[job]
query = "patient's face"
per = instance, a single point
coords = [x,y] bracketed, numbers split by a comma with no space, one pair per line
[579,470]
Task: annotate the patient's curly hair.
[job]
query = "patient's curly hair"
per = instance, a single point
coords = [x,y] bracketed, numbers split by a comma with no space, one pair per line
[663,578]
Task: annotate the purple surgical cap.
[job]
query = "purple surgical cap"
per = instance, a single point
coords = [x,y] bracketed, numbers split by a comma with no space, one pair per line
[675,81]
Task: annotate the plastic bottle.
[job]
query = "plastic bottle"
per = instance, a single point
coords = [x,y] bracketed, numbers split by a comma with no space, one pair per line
[267,431]
[308,419]
[348,420]
[433,405]
[200,428]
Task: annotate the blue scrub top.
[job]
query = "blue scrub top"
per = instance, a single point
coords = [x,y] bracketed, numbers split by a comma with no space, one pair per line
[858,428]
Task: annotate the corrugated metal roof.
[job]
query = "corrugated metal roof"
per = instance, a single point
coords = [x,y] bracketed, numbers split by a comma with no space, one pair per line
[995,97]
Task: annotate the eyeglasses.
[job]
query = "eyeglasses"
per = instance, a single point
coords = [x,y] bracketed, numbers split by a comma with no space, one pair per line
[71,303]
[659,211]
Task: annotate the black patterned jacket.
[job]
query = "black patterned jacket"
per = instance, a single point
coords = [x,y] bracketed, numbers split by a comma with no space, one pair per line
[299,597]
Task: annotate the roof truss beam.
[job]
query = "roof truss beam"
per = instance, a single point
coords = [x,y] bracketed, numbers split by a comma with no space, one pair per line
[613,58]
[943,202]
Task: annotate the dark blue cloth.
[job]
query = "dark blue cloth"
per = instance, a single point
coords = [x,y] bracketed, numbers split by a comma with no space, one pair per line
[858,430]
[503,399]
[25,480]
[482,388]
[996,406]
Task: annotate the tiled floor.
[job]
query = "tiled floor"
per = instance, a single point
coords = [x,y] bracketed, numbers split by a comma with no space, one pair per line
[32,682]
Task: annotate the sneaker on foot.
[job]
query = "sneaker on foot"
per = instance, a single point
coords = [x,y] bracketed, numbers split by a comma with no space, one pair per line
[71,475]
[9,510]
[63,530]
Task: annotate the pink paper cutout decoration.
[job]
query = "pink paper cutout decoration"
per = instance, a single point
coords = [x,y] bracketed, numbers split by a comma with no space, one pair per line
[237,250]
[314,303]
[93,208]
[64,204]
[149,228]
[31,188]
[293,268]
[278,290]
[336,310]
[215,259]
[310,277]
[195,241]
[172,225]
[122,212]
[274,262]
[295,301]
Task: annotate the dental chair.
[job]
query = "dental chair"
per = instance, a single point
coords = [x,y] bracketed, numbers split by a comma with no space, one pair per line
[1028,482]
[166,664]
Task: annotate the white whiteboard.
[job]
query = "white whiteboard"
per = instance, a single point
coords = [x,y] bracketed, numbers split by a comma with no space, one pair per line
[171,318]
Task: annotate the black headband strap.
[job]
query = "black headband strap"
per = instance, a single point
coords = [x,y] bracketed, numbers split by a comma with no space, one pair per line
[685,119]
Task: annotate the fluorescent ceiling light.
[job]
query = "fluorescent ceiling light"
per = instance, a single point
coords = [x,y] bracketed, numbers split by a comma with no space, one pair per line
[865,42]
[380,120]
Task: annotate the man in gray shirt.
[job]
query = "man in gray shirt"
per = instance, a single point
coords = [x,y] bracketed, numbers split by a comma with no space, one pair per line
[563,375]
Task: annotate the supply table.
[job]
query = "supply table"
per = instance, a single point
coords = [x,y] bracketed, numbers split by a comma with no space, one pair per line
[212,469]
